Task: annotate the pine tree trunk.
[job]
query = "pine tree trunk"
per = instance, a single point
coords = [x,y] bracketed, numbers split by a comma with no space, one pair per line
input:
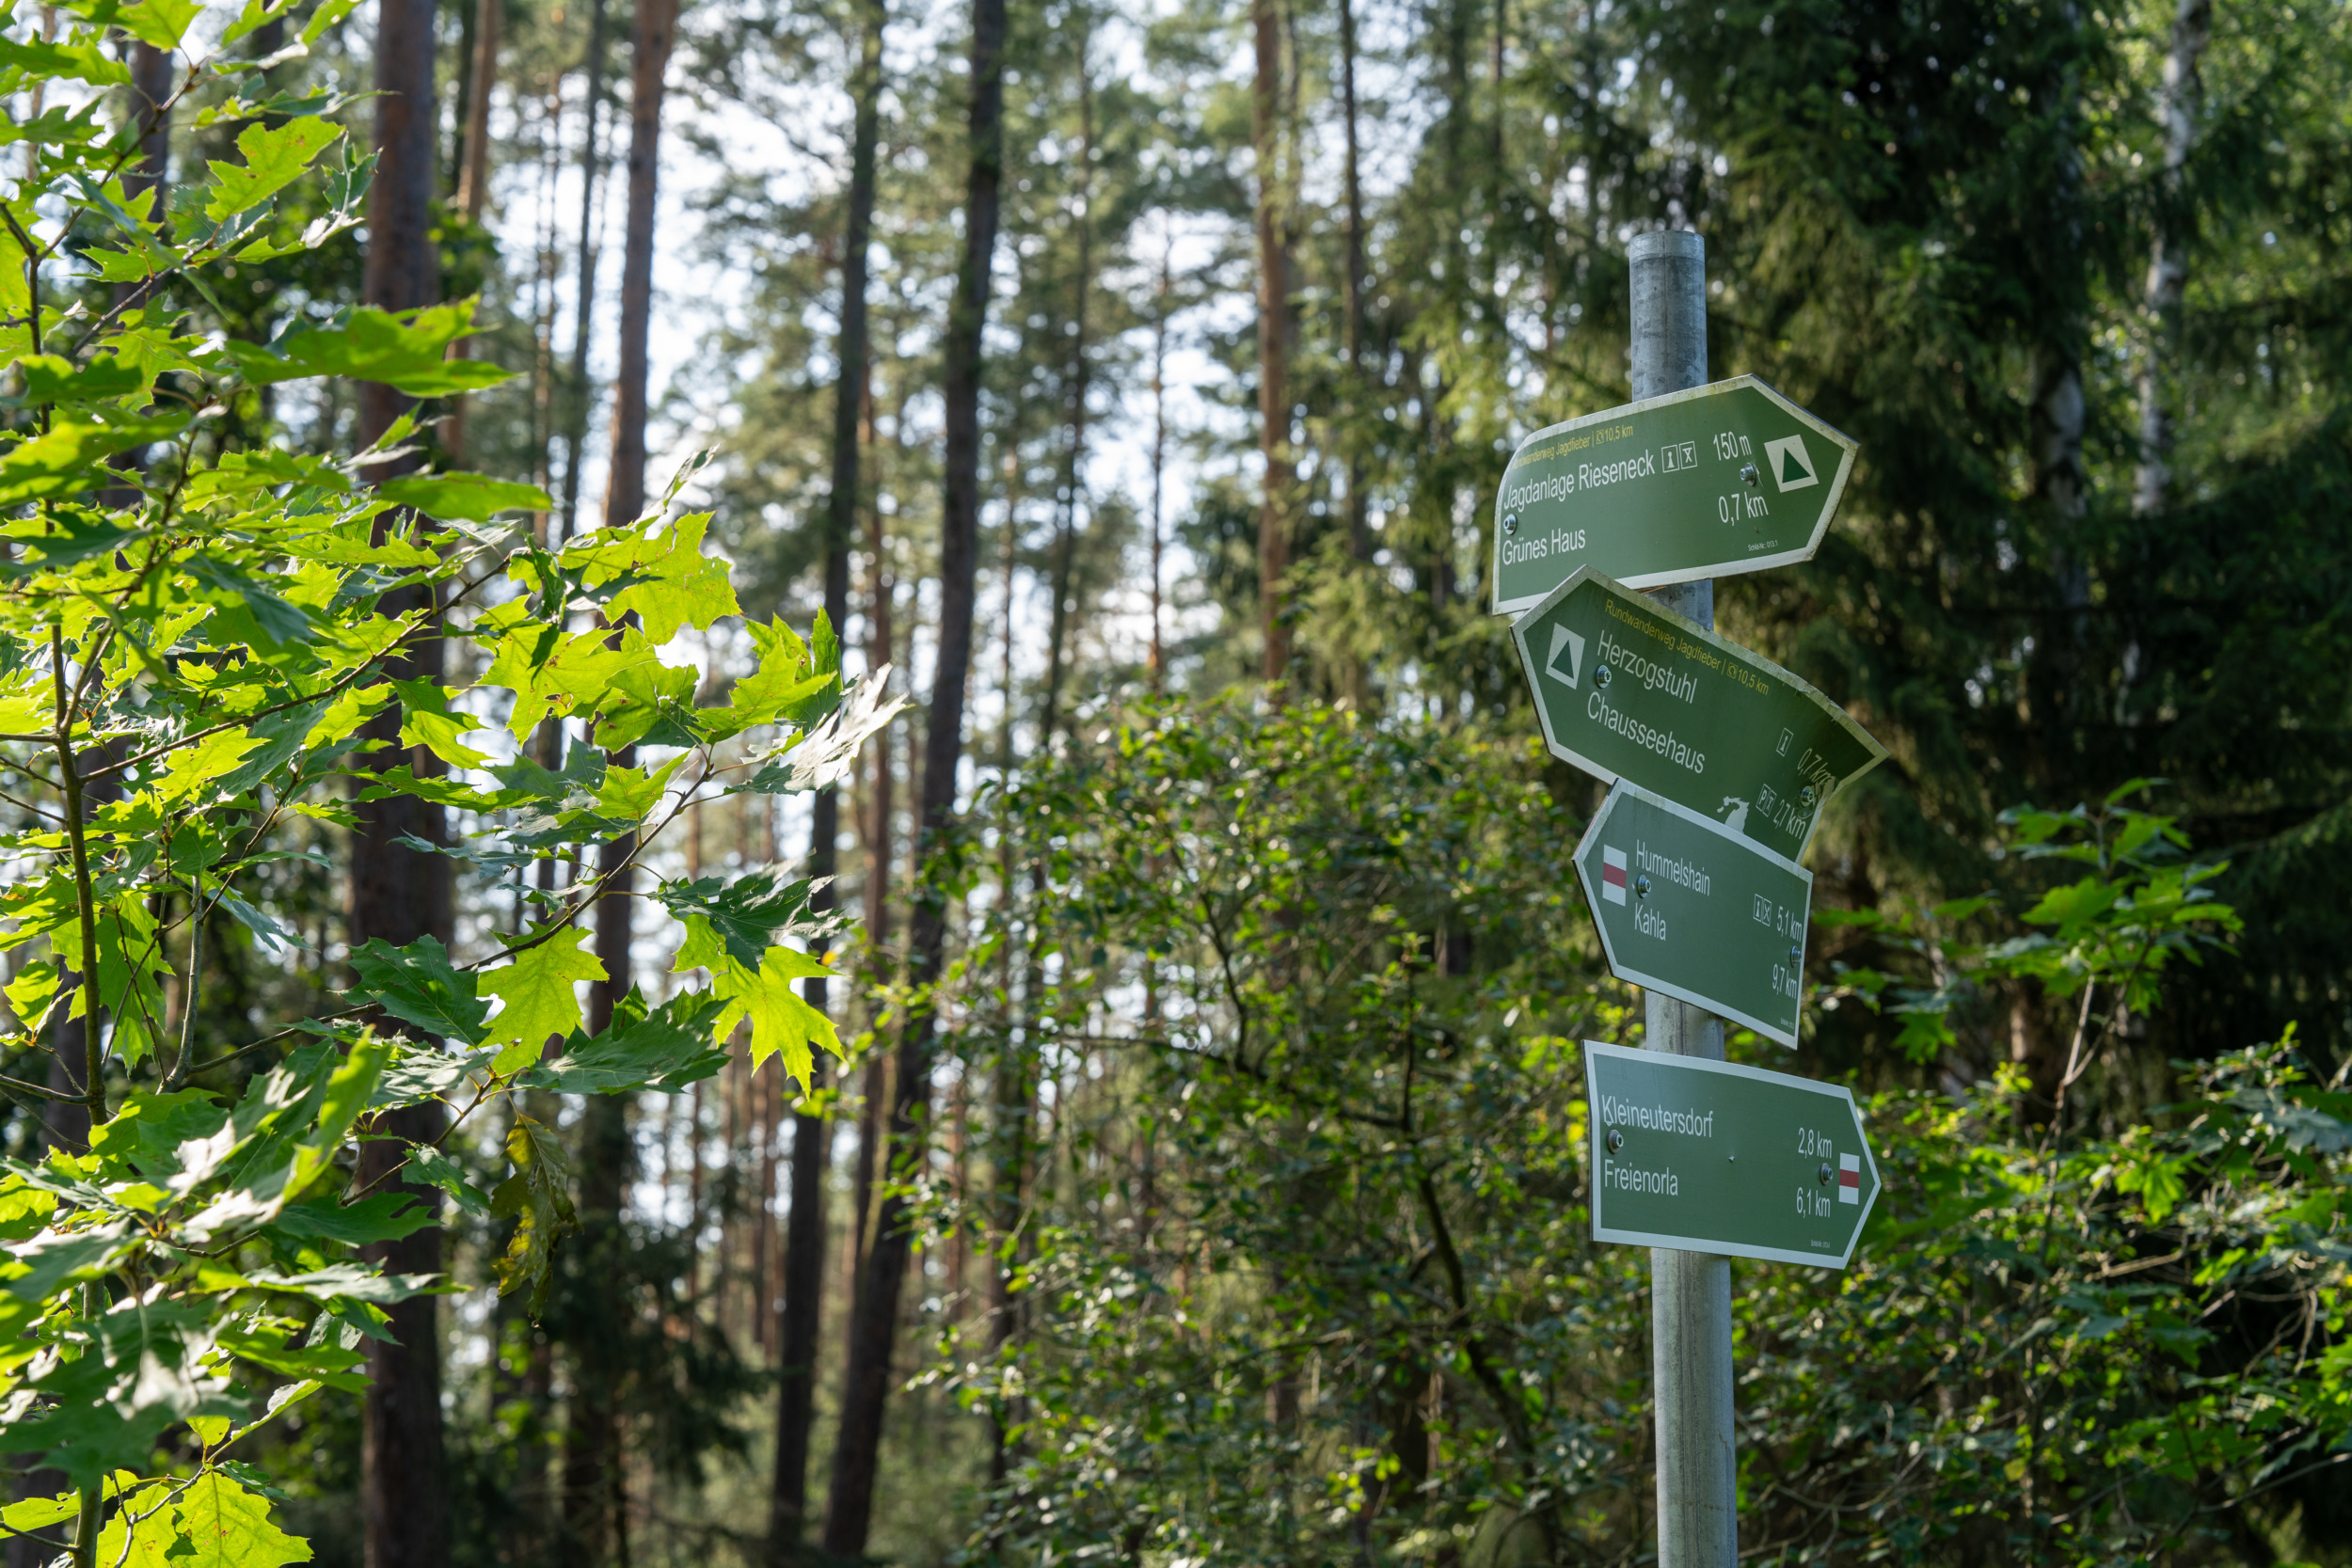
[482,69]
[1273,400]
[398,893]
[805,1242]
[2168,261]
[1358,532]
[1073,460]
[473,160]
[580,392]
[873,1329]
[594,1489]
[649,45]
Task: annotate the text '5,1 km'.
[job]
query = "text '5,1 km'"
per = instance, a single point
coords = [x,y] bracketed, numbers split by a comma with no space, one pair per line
[1689,908]
[1715,1157]
[1721,478]
[1628,689]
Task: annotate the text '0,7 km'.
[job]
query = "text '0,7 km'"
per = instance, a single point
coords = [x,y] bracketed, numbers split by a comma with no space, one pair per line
[1717,1157]
[1627,688]
[1711,482]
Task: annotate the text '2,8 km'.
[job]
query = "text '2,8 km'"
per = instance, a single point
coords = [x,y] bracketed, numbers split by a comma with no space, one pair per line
[1716,1157]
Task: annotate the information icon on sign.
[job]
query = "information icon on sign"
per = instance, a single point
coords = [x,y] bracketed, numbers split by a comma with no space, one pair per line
[1787,738]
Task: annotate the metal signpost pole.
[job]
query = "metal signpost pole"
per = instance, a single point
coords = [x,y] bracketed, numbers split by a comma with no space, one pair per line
[1698,1524]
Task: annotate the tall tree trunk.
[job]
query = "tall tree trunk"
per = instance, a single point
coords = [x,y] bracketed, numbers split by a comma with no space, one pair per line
[1159,457]
[396,893]
[1274,397]
[649,45]
[1010,1136]
[594,1494]
[2168,261]
[873,1328]
[1359,534]
[1073,459]
[482,69]
[580,394]
[473,158]
[805,1243]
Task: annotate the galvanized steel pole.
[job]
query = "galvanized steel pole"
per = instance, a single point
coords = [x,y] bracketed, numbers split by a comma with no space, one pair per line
[1698,1519]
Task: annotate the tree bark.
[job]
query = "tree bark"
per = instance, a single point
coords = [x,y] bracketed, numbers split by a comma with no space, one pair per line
[1359,531]
[1274,401]
[473,181]
[1074,462]
[398,893]
[1159,459]
[594,1494]
[873,1328]
[579,396]
[649,45]
[2168,261]
[805,1242]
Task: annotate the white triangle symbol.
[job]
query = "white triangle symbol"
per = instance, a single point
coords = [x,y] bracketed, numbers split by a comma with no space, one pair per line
[1563,637]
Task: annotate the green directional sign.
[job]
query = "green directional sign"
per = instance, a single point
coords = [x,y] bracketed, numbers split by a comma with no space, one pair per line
[1719,480]
[1628,689]
[1715,1157]
[1692,910]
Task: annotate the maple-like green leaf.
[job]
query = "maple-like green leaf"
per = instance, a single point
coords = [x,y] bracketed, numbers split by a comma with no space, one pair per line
[348,1090]
[782,1023]
[433,1168]
[540,1002]
[160,22]
[822,757]
[563,675]
[406,350]
[678,586]
[668,1048]
[427,720]
[210,1522]
[419,984]
[274,157]
[538,1198]
[190,768]
[463,497]
[345,714]
[50,378]
[748,914]
[70,459]
[628,794]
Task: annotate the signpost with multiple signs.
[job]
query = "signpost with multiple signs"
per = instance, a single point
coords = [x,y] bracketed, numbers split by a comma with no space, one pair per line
[1717,1157]
[1718,764]
[1628,689]
[1707,483]
[1689,908]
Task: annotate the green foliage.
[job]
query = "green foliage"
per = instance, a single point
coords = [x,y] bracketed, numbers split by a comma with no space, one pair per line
[2142,904]
[1307,1272]
[194,628]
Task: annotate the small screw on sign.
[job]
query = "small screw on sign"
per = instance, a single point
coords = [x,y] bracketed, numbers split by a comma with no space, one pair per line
[1510,522]
[1616,1140]
[1825,1173]
[1749,477]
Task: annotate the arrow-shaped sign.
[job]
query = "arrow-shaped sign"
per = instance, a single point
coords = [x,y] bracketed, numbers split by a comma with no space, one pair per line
[1628,689]
[1715,1157]
[1707,483]
[1692,910]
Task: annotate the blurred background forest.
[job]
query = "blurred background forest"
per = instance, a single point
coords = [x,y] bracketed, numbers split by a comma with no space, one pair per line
[1204,1182]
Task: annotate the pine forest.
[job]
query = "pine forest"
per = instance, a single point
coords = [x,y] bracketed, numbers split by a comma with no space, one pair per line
[772,793]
